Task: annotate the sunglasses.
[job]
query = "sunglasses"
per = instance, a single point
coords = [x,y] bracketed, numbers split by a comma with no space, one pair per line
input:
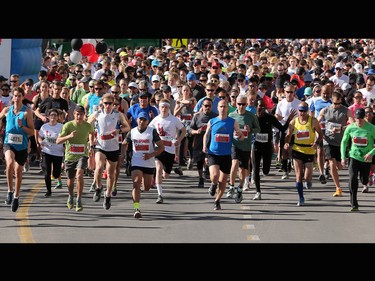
[210,90]
[289,92]
[107,102]
[242,104]
[207,105]
[114,92]
[302,110]
[98,89]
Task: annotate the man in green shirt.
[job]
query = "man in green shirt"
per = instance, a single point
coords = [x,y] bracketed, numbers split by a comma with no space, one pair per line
[361,149]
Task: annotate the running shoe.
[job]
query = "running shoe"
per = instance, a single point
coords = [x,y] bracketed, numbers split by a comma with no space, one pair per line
[69,203]
[160,200]
[92,187]
[114,191]
[137,214]
[15,204]
[97,194]
[212,189]
[79,206]
[107,202]
[217,205]
[338,192]
[322,179]
[201,183]
[238,196]
[230,192]
[9,199]
[258,196]
[301,201]
[58,185]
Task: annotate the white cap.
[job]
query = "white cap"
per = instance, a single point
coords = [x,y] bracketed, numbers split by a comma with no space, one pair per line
[155,78]
[133,84]
[346,86]
[339,65]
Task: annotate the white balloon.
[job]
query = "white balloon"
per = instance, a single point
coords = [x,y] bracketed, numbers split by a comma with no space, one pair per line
[91,41]
[75,56]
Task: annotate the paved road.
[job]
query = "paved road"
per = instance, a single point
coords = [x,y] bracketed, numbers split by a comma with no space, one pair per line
[187,215]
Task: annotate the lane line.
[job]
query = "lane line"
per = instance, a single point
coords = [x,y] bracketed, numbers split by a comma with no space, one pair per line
[24,231]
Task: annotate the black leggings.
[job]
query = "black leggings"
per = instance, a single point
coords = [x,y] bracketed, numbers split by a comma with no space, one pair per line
[363,169]
[49,161]
[260,151]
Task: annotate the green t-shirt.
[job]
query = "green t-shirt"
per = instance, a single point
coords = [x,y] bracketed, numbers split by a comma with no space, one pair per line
[78,146]
[250,119]
[362,141]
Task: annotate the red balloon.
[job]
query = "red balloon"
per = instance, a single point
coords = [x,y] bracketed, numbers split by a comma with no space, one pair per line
[87,49]
[93,58]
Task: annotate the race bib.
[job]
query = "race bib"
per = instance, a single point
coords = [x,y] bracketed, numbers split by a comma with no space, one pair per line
[360,141]
[15,138]
[186,116]
[245,133]
[142,147]
[107,137]
[222,138]
[302,135]
[333,127]
[261,137]
[168,141]
[77,149]
[50,140]
[322,125]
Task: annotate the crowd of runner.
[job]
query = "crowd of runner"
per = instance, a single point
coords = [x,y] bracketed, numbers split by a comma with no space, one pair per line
[226,106]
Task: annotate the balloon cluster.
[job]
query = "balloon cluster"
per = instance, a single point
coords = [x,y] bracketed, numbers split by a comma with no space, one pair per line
[90,48]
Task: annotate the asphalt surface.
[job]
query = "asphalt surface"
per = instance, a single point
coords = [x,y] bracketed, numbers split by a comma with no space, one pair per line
[187,214]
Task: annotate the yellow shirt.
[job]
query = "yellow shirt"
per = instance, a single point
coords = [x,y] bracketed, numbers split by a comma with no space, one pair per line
[304,137]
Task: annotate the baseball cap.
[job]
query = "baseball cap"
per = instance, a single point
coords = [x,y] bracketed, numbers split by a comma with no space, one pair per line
[307,77]
[191,76]
[143,115]
[346,86]
[166,88]
[360,113]
[2,78]
[307,91]
[155,62]
[133,84]
[339,65]
[155,78]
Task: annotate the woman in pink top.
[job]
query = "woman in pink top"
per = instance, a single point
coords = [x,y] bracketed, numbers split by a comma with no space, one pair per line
[358,102]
